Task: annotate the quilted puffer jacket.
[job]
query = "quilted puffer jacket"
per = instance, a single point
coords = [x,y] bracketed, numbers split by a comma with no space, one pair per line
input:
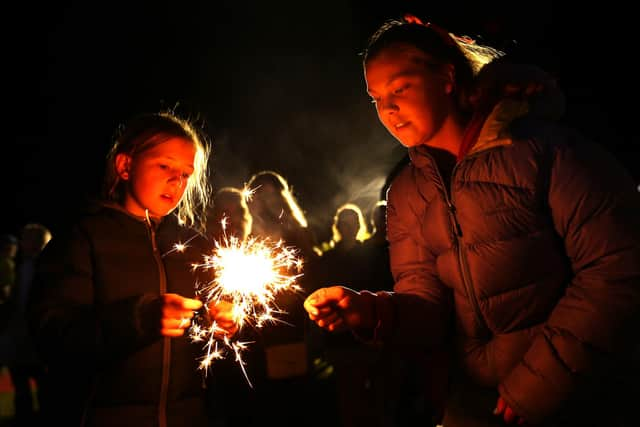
[529,257]
[95,317]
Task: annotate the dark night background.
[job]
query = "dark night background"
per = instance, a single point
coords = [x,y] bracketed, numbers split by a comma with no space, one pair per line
[276,85]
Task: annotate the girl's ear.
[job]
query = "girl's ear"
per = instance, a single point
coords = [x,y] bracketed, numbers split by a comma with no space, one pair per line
[123,164]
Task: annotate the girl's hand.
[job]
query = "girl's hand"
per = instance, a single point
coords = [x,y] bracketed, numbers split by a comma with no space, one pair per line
[222,312]
[339,308]
[510,417]
[176,314]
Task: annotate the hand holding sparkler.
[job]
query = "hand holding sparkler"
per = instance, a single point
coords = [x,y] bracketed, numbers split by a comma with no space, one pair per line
[223,314]
[176,313]
[338,308]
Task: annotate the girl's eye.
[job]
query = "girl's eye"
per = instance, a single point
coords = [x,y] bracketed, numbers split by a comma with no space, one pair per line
[164,167]
[401,89]
[186,175]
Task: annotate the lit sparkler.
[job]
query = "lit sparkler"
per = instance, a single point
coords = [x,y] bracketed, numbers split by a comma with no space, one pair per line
[249,274]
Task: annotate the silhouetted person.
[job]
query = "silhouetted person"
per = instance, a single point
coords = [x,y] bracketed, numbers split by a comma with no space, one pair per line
[376,250]
[228,215]
[25,367]
[342,260]
[277,214]
[8,252]
[287,387]
[406,399]
[360,371]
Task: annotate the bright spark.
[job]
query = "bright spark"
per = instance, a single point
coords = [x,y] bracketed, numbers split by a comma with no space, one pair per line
[179,247]
[249,274]
[248,193]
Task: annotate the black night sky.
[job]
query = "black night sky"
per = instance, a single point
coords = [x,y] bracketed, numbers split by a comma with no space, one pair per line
[276,85]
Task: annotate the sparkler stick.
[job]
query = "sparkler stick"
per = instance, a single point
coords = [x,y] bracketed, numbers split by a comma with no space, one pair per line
[249,274]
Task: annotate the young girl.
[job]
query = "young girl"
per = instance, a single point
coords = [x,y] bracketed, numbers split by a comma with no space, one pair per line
[115,294]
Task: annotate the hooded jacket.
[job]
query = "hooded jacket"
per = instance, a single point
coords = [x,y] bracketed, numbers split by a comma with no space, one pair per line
[95,315]
[530,255]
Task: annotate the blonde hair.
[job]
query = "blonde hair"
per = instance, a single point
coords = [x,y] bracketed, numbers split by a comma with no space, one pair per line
[477,54]
[278,181]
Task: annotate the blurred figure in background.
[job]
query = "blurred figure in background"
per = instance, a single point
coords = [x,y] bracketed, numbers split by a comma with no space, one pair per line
[342,260]
[289,347]
[8,252]
[376,250]
[407,400]
[229,215]
[25,368]
[277,214]
[359,375]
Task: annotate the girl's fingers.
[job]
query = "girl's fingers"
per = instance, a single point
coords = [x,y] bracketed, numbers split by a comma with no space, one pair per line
[326,313]
[176,323]
[191,304]
[509,415]
[171,332]
[334,325]
[179,302]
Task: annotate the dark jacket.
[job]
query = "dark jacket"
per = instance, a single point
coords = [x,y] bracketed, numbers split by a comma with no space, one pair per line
[533,251]
[95,316]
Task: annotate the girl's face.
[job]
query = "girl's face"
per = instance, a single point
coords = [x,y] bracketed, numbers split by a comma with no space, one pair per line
[268,203]
[157,178]
[410,93]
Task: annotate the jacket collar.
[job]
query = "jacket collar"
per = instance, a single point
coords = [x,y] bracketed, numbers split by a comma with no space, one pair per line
[117,207]
[495,130]
[483,132]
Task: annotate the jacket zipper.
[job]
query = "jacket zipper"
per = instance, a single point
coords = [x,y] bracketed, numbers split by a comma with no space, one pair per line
[462,258]
[166,347]
[464,271]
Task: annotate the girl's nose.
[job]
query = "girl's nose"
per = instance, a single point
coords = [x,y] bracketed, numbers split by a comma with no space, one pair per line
[388,106]
[178,179]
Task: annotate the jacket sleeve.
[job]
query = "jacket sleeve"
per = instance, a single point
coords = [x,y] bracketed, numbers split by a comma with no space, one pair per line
[415,316]
[67,323]
[594,206]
